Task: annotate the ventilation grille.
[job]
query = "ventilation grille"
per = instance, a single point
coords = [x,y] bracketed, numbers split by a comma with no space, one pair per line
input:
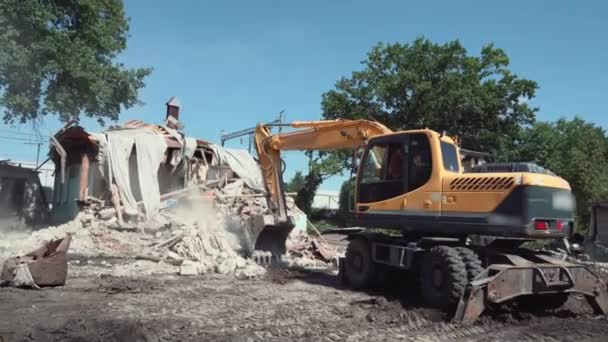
[510,167]
[482,183]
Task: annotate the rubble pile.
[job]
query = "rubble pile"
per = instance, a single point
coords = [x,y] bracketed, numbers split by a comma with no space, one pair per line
[204,229]
[306,250]
[204,232]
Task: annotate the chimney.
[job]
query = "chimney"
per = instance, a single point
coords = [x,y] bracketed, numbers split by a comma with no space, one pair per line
[172,118]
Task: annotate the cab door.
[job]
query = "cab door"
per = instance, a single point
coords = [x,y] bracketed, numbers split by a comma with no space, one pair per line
[394,183]
[382,175]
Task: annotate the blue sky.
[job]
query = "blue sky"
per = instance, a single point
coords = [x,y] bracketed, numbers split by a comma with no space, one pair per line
[235,63]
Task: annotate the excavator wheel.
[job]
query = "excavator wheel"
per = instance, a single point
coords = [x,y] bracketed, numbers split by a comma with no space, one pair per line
[541,302]
[471,262]
[360,270]
[443,277]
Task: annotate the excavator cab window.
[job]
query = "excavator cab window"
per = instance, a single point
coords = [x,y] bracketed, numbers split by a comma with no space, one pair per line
[394,166]
[373,166]
[384,173]
[420,165]
[450,157]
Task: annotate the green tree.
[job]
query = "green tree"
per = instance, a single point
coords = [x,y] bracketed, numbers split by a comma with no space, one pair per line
[347,198]
[575,150]
[321,166]
[439,86]
[296,183]
[57,58]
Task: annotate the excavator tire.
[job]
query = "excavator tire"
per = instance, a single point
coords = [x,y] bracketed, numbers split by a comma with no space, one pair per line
[443,277]
[359,266]
[471,262]
[540,303]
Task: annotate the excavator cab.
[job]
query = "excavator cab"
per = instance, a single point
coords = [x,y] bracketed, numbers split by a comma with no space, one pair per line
[396,169]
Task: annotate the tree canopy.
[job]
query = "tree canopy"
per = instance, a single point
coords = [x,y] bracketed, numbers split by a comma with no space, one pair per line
[57,57]
[575,150]
[439,86]
[296,183]
[321,166]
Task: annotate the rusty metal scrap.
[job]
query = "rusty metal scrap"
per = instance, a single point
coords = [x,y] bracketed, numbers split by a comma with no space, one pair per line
[47,265]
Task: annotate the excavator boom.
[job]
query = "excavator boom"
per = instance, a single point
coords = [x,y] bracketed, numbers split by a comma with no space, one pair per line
[311,135]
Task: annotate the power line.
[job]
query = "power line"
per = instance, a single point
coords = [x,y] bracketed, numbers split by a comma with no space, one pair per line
[24,139]
[7,131]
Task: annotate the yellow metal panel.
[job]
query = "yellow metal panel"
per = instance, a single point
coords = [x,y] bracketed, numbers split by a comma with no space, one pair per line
[425,198]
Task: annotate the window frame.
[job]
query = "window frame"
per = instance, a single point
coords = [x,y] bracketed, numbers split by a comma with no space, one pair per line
[443,145]
[366,157]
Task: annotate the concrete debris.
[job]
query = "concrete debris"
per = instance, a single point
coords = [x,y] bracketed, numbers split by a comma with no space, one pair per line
[306,250]
[189,268]
[226,266]
[249,270]
[23,277]
[204,234]
[105,214]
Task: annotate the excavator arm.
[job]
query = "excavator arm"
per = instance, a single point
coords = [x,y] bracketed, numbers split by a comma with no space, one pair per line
[311,135]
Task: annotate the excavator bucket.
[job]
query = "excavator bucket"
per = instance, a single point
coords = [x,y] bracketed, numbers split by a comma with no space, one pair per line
[268,238]
[500,283]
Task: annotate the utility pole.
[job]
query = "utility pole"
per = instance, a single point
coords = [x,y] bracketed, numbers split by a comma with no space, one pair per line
[38,154]
[278,122]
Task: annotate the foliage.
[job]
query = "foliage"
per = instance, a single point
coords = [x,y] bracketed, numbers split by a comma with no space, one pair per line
[306,195]
[575,150]
[321,166]
[57,57]
[347,198]
[424,84]
[439,86]
[296,183]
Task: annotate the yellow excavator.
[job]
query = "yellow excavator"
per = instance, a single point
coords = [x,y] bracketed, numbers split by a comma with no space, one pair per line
[459,232]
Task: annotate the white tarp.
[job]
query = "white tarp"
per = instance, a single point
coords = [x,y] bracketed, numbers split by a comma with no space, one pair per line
[190,145]
[150,153]
[119,149]
[241,163]
[150,150]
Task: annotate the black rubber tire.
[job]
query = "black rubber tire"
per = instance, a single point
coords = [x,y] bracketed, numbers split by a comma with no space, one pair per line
[359,266]
[471,261]
[540,303]
[444,262]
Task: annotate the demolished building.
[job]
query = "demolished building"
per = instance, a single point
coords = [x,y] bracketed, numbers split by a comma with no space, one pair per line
[133,170]
[136,165]
[131,165]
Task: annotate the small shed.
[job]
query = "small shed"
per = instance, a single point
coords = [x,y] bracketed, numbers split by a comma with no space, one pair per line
[470,158]
[22,196]
[596,242]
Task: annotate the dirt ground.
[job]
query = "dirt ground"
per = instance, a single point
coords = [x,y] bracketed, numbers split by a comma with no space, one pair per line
[286,305]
